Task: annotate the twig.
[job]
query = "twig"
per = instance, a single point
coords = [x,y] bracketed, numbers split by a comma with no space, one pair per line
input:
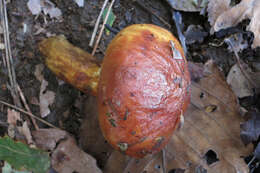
[103,27]
[28,113]
[27,107]
[240,65]
[251,161]
[8,54]
[97,23]
[148,10]
[163,161]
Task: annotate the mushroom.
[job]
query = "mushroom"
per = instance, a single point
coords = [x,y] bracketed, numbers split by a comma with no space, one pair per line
[142,85]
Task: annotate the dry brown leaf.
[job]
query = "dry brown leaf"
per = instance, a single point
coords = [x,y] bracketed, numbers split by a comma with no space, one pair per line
[216,130]
[254,25]
[26,132]
[46,99]
[13,116]
[116,162]
[47,139]
[91,138]
[38,72]
[239,83]
[246,9]
[215,9]
[67,157]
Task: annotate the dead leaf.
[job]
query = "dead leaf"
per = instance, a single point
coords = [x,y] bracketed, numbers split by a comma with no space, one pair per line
[204,132]
[116,162]
[38,72]
[239,84]
[196,71]
[13,116]
[47,139]
[215,9]
[222,18]
[46,99]
[67,157]
[250,130]
[188,5]
[80,3]
[26,132]
[37,6]
[34,6]
[91,138]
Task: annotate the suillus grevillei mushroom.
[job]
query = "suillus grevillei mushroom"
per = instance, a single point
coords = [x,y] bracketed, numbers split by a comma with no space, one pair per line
[142,85]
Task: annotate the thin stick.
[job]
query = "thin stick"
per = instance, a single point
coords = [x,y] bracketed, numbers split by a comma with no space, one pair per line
[158,17]
[163,161]
[8,54]
[28,113]
[27,107]
[97,23]
[102,28]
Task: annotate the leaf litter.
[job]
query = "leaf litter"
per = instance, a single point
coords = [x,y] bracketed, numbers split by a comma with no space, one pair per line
[222,16]
[239,84]
[45,6]
[67,157]
[46,97]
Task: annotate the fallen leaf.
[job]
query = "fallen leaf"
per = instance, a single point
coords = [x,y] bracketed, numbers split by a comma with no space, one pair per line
[47,139]
[116,162]
[13,116]
[26,132]
[250,130]
[34,6]
[38,72]
[91,138]
[46,99]
[188,5]
[196,71]
[215,9]
[37,6]
[80,3]
[215,132]
[222,17]
[239,83]
[20,156]
[67,157]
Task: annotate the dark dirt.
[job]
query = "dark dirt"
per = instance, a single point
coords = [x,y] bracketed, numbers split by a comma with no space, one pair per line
[77,25]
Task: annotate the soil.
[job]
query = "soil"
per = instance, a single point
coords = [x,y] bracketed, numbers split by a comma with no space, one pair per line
[77,25]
